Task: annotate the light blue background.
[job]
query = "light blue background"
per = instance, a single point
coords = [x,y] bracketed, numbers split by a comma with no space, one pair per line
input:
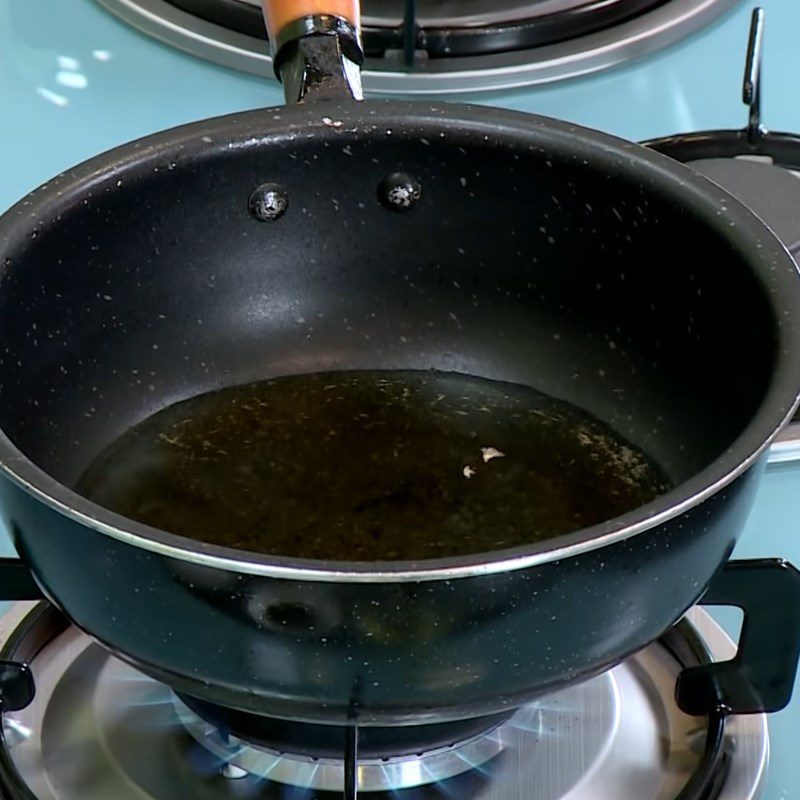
[74,81]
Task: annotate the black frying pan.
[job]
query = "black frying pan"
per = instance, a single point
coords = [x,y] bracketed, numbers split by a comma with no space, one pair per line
[148,274]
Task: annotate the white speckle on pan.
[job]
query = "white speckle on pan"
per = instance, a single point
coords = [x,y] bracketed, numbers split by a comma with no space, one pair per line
[468,471]
[488,453]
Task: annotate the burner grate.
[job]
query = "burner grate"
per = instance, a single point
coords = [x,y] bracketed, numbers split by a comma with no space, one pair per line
[444,47]
[430,30]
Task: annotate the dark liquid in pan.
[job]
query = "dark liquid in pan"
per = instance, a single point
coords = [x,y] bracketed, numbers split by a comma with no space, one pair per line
[375,465]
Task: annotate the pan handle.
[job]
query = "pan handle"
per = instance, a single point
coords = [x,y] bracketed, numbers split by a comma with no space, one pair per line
[280,13]
[761,676]
[316,48]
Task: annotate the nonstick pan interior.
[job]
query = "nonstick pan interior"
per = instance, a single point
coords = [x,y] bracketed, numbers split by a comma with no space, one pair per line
[526,259]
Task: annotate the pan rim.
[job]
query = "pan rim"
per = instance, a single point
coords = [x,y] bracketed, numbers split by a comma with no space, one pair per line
[774,267]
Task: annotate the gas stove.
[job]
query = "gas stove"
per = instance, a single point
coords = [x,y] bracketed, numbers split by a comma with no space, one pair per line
[79,78]
[97,729]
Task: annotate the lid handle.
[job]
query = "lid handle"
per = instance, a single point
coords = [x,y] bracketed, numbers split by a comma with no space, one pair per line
[751,85]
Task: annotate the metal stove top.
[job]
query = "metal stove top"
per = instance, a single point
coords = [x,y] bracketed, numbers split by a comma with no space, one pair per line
[97,729]
[75,80]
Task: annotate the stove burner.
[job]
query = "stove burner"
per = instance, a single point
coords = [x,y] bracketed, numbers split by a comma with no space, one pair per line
[99,729]
[242,758]
[434,47]
[321,741]
[442,30]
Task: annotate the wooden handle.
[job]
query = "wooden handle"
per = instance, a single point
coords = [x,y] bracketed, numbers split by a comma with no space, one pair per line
[279,13]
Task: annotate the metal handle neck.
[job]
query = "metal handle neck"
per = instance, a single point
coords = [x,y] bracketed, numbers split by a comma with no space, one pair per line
[319,58]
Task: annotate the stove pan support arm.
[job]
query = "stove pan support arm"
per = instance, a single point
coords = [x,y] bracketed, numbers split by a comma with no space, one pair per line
[17,688]
[351,763]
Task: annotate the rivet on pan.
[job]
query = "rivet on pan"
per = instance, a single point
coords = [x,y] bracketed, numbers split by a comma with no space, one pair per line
[269,202]
[399,191]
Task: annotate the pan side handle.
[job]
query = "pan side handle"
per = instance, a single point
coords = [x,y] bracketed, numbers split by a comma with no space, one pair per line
[761,676]
[16,581]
